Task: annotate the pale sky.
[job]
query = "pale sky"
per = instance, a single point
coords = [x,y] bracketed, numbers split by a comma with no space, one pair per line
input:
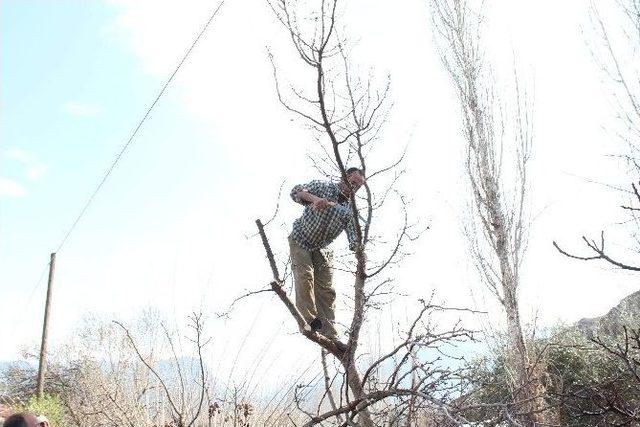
[169,229]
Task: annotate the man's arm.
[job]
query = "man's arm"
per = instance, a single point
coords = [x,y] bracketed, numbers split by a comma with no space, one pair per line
[318,203]
[304,194]
[349,226]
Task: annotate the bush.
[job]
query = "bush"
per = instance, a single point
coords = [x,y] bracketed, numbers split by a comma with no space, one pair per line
[49,406]
[589,380]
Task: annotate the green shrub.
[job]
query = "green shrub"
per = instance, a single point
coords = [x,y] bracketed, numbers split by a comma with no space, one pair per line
[49,406]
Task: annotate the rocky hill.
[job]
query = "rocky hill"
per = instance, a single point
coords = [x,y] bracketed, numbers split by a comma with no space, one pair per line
[627,312]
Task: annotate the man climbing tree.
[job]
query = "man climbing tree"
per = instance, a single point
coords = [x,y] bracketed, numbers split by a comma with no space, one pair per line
[326,215]
[346,110]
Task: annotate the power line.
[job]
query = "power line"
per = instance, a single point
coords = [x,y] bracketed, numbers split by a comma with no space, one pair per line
[37,285]
[144,118]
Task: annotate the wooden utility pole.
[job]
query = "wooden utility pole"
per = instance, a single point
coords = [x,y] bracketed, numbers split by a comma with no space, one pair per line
[42,366]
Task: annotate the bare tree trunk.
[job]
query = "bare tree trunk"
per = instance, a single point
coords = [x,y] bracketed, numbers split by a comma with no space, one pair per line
[496,229]
[509,300]
[355,384]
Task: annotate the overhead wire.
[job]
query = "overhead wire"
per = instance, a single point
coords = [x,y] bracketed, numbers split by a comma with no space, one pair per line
[125,146]
[37,285]
[135,131]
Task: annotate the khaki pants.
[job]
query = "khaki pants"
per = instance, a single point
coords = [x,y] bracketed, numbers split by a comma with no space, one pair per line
[315,296]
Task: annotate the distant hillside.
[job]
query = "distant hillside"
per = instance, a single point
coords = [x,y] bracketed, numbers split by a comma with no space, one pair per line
[627,312]
[8,364]
[166,368]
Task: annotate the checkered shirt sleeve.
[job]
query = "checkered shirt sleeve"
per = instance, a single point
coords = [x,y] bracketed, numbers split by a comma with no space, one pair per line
[349,227]
[317,229]
[317,188]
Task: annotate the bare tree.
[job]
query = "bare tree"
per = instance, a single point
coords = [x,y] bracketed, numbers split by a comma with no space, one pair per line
[595,376]
[613,398]
[610,397]
[349,114]
[498,137]
[135,375]
[97,378]
[185,402]
[615,50]
[148,375]
[346,112]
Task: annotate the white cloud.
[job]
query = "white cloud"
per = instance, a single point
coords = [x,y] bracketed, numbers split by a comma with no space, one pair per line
[20,155]
[10,188]
[81,110]
[35,169]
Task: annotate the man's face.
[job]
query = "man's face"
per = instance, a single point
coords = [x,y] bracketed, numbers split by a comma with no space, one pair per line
[356,180]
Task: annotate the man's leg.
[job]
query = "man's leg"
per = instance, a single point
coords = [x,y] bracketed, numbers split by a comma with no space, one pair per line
[302,267]
[325,295]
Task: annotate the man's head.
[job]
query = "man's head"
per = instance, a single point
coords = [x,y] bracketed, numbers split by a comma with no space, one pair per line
[355,178]
[24,419]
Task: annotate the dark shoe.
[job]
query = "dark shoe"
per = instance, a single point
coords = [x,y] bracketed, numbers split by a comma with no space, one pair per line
[342,347]
[315,324]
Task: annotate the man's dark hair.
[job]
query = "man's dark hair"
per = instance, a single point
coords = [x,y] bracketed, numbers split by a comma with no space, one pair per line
[17,420]
[354,169]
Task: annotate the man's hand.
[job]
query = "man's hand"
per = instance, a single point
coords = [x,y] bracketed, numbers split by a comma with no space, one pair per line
[320,204]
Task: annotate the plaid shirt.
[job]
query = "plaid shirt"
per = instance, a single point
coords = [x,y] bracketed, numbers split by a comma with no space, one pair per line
[316,229]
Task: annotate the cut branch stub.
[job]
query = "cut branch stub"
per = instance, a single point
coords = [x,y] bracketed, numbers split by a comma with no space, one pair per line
[267,248]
